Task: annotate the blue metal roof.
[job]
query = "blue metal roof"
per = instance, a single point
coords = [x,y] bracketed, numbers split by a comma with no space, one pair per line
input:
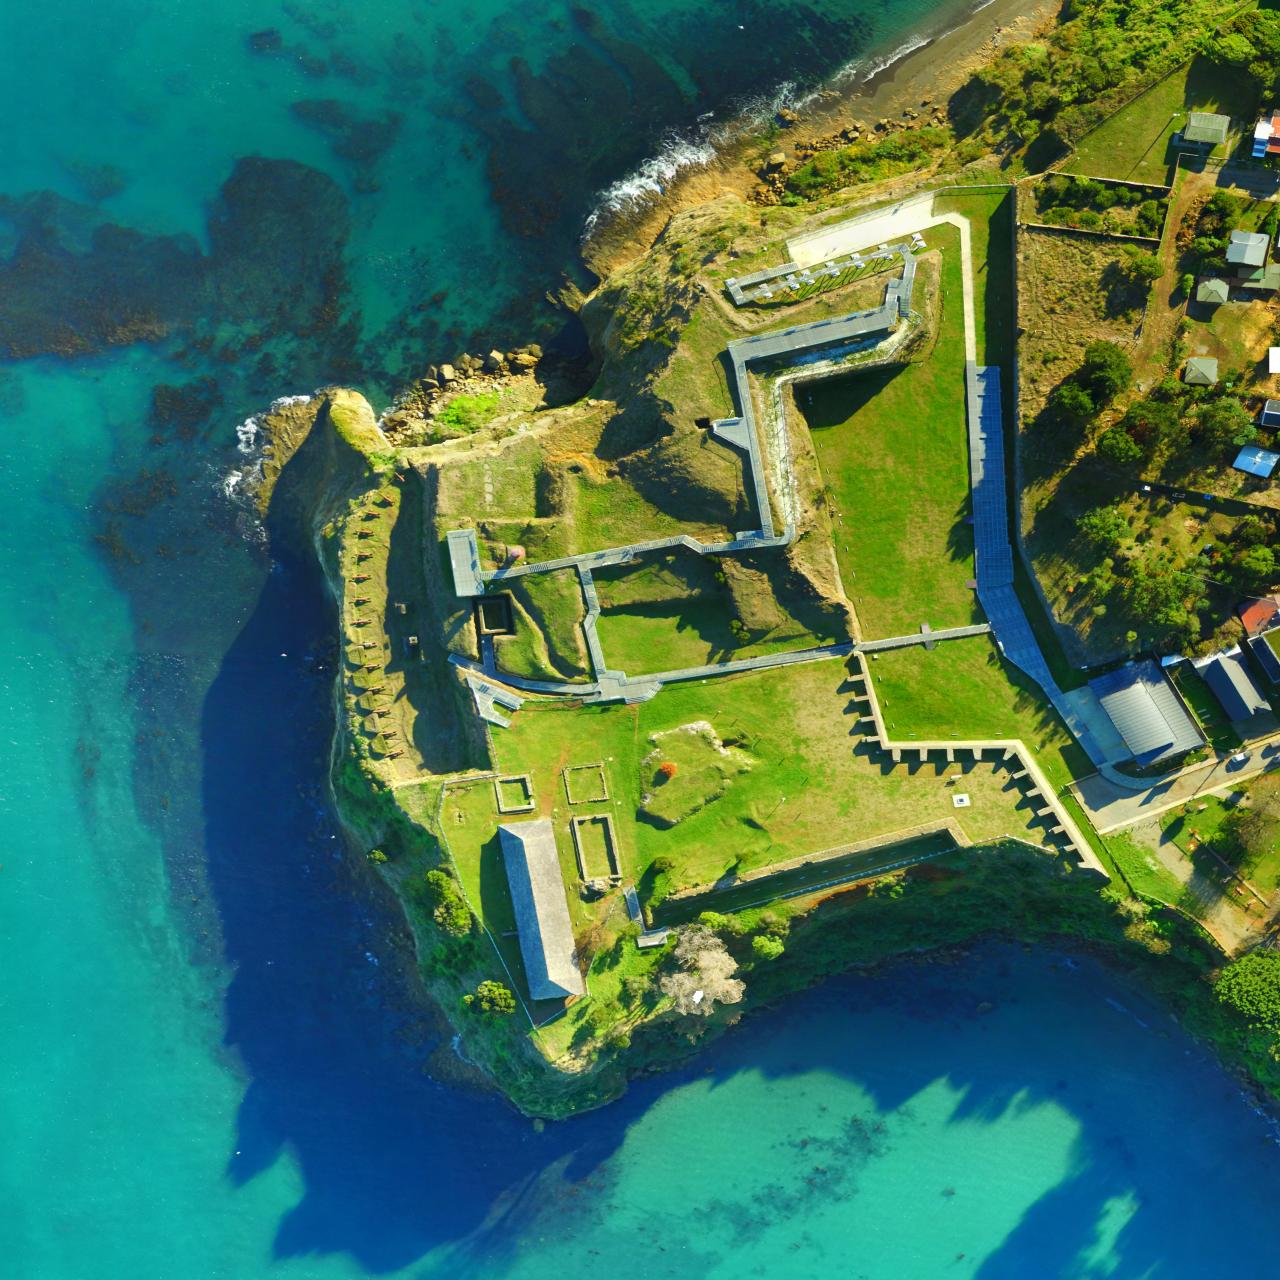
[1255,461]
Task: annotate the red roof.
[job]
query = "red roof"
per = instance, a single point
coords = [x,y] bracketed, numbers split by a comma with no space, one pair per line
[1259,615]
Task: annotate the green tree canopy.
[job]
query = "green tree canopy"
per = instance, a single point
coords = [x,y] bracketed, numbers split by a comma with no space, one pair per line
[1225,421]
[1106,371]
[1105,527]
[1118,446]
[1250,987]
[491,998]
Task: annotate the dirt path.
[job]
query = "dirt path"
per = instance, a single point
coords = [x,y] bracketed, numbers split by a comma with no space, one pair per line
[1235,923]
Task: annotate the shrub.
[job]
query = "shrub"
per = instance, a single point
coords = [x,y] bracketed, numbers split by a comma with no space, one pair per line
[491,998]
[1250,987]
[766,947]
[449,907]
[667,770]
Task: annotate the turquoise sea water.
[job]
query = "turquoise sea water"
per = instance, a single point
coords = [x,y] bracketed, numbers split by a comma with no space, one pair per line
[208,1064]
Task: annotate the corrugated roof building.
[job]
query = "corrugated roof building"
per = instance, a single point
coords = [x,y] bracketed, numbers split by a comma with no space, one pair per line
[542,913]
[1247,248]
[1206,128]
[1264,650]
[1147,712]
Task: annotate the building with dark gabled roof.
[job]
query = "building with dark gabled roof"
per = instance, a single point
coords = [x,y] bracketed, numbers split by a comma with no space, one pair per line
[542,912]
[1147,712]
[1270,415]
[1228,676]
[1266,653]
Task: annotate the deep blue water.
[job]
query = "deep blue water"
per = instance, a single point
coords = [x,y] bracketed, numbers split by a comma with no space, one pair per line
[211,1066]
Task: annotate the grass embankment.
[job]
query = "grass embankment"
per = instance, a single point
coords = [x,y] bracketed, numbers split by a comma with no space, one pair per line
[684,610]
[963,689]
[1135,144]
[892,448]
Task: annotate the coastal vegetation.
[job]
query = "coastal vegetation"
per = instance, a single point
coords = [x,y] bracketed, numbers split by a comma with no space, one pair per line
[734,834]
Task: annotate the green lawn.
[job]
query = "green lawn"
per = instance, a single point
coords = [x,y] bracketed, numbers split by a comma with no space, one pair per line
[811,788]
[1145,874]
[990,215]
[1208,711]
[964,689]
[892,447]
[1134,144]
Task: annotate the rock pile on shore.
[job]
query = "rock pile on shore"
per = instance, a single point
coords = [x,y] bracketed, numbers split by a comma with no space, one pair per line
[464,375]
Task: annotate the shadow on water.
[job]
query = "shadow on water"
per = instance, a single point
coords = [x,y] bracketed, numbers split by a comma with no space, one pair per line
[395,1165]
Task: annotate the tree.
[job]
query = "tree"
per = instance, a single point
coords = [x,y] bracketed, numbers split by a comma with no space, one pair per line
[1225,421]
[767,947]
[1106,371]
[1252,531]
[1141,266]
[1071,403]
[449,907]
[1258,564]
[1118,446]
[1152,423]
[1250,987]
[1105,527]
[703,973]
[1255,828]
[491,998]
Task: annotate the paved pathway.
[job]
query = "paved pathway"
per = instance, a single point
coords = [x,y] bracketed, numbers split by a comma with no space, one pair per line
[1111,807]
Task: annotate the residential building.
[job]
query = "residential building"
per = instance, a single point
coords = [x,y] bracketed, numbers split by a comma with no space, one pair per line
[1247,249]
[1266,135]
[1201,371]
[1206,129]
[1270,415]
[1256,462]
[1229,679]
[1213,291]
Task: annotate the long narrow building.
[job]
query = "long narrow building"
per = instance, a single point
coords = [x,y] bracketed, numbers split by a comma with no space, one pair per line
[542,914]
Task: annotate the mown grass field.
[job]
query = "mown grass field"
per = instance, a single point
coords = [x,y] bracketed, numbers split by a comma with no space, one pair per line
[964,689]
[1134,144]
[892,447]
[811,786]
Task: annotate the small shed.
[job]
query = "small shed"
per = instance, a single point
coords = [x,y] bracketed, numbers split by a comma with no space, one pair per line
[1256,462]
[1270,415]
[1206,128]
[1147,712]
[1227,675]
[1213,291]
[1247,248]
[1201,371]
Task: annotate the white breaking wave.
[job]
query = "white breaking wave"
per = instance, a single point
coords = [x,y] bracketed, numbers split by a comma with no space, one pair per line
[249,446]
[863,69]
[679,153]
